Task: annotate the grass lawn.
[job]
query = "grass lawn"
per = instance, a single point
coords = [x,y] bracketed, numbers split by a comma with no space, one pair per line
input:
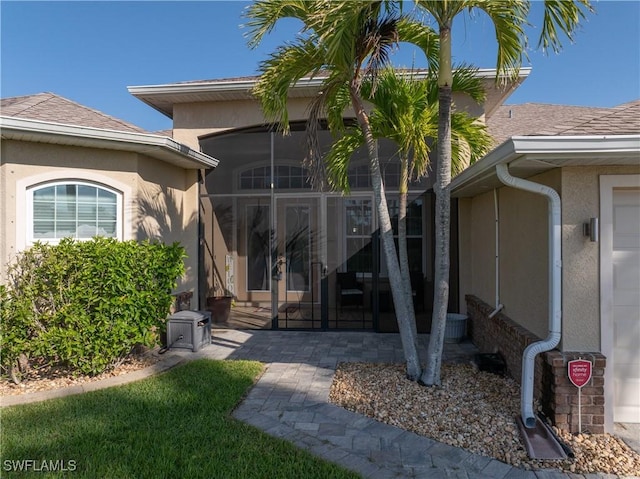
[174,425]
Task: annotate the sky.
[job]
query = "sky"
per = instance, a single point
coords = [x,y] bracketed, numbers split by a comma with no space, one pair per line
[90,52]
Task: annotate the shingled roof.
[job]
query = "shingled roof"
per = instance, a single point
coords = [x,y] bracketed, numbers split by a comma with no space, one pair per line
[620,120]
[530,118]
[540,119]
[56,109]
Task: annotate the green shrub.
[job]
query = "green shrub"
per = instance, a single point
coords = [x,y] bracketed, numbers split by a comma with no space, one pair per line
[86,304]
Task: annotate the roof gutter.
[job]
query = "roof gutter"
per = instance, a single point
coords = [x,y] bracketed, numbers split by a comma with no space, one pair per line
[198,91]
[555,289]
[154,145]
[248,83]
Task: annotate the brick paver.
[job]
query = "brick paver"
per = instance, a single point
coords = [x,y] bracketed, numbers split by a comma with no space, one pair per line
[291,401]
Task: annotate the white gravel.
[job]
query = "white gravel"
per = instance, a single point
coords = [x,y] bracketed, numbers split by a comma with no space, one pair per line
[474,410]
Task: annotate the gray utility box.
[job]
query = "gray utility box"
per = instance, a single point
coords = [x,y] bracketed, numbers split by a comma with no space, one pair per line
[189,329]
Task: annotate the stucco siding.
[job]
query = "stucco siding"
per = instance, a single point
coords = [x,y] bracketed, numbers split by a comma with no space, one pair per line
[146,185]
[167,211]
[483,269]
[465,248]
[193,120]
[27,164]
[581,269]
[523,252]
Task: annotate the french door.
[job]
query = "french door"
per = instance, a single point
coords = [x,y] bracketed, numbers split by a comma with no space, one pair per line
[298,262]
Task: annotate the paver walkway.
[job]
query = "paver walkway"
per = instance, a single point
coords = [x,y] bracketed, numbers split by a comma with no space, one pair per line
[291,401]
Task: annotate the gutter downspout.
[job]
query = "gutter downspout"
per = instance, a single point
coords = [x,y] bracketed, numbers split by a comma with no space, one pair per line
[499,306]
[555,289]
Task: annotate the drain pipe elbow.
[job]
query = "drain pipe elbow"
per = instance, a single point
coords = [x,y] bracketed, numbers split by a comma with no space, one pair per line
[496,311]
[528,371]
[555,289]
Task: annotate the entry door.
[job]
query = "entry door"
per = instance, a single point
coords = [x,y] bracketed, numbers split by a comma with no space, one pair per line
[626,304]
[299,268]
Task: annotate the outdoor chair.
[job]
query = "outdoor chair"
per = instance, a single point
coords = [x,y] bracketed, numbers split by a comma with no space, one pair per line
[349,291]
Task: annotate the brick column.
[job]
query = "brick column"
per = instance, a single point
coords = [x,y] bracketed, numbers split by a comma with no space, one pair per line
[558,397]
[562,395]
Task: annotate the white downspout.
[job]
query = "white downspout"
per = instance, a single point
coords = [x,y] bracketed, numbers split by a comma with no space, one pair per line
[499,306]
[555,290]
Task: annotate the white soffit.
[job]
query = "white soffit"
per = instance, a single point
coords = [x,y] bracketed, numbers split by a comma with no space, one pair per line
[531,155]
[159,147]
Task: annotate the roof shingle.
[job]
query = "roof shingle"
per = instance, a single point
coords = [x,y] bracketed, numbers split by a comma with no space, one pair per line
[620,120]
[54,108]
[540,119]
[530,118]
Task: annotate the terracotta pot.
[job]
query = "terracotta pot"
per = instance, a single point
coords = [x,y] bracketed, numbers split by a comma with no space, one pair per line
[220,307]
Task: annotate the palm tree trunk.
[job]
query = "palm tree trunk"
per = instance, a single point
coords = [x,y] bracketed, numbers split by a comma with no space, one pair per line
[408,339]
[431,375]
[402,242]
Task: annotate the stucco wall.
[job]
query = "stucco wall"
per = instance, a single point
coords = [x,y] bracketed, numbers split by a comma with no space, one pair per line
[167,199]
[523,247]
[192,120]
[25,164]
[523,254]
[581,257]
[483,239]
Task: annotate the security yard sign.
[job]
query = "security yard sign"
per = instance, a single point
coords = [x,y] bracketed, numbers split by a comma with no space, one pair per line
[579,371]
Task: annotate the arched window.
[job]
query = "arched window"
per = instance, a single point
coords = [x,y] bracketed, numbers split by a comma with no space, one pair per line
[286,177]
[73,209]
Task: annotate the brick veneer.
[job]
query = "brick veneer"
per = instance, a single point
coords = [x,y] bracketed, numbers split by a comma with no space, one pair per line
[552,388]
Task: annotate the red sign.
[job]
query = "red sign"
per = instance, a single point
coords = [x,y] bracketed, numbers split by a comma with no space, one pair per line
[579,372]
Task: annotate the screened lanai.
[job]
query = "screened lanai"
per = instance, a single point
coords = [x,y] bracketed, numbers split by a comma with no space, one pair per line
[293,257]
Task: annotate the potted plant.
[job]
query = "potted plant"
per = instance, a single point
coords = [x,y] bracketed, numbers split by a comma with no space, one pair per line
[219,302]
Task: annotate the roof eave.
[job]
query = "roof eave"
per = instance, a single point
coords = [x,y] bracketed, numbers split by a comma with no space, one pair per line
[160,147]
[536,154]
[152,95]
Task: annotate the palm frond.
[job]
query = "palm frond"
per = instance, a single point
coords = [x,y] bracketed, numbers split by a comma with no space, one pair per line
[509,18]
[466,80]
[470,141]
[422,36]
[332,95]
[443,12]
[339,158]
[336,105]
[263,15]
[377,40]
[280,71]
[561,16]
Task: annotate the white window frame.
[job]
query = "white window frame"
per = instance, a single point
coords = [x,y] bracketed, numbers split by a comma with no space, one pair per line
[26,186]
[30,208]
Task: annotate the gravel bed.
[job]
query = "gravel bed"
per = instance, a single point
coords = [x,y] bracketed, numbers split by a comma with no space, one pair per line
[474,410]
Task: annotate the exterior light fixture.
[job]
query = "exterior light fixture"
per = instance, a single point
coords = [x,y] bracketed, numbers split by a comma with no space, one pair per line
[591,230]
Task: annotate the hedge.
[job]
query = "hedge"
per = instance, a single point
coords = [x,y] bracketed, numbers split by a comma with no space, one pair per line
[85,305]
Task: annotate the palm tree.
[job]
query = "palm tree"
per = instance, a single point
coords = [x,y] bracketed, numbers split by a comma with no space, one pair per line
[350,41]
[406,112]
[509,18]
